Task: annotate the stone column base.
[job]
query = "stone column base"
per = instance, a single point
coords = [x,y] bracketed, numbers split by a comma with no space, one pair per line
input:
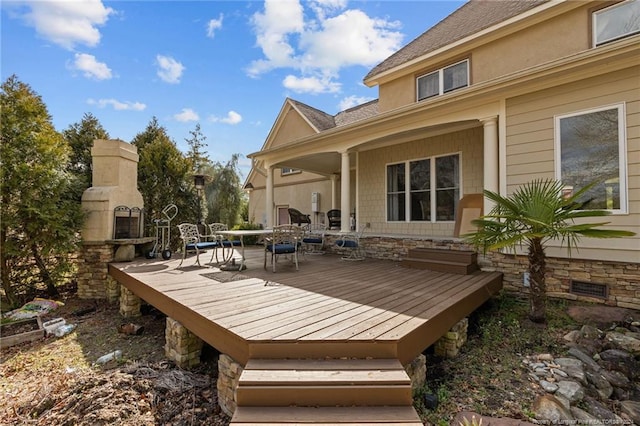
[181,346]
[417,371]
[129,303]
[229,373]
[449,345]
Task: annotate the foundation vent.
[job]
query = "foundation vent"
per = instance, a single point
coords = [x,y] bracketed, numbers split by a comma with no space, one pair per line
[582,288]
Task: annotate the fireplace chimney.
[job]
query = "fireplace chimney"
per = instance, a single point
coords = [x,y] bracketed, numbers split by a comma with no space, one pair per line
[115,184]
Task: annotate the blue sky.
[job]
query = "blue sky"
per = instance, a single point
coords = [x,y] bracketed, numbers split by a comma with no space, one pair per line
[227,65]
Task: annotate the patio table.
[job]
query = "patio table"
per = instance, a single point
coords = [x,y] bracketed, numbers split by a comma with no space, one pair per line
[229,265]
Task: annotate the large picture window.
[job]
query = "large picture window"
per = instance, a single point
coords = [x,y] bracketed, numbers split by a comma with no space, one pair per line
[443,80]
[615,22]
[591,147]
[425,190]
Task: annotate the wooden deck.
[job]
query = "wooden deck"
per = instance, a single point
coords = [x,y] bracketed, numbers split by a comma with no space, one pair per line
[329,308]
[325,344]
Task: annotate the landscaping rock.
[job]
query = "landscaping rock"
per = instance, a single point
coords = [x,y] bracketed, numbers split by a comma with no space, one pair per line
[597,409]
[632,410]
[582,416]
[624,341]
[588,361]
[572,391]
[601,384]
[548,407]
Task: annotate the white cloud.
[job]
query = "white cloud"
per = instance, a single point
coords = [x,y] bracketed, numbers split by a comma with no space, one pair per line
[318,48]
[351,101]
[213,25]
[313,85]
[169,70]
[232,118]
[67,23]
[118,105]
[187,114]
[90,67]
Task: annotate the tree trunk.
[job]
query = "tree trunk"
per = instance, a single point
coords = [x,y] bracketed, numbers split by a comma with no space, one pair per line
[4,270]
[44,272]
[538,286]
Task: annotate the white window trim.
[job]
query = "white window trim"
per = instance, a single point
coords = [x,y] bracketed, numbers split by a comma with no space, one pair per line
[432,188]
[440,73]
[594,25]
[622,149]
[291,172]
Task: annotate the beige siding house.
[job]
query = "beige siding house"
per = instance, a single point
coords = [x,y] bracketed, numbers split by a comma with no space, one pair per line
[497,94]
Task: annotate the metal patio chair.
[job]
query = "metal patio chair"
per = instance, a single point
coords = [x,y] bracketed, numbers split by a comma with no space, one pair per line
[350,244]
[284,240]
[192,241]
[313,240]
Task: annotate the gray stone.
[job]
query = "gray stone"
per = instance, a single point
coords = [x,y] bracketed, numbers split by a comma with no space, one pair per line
[548,407]
[545,357]
[615,355]
[582,416]
[601,384]
[589,363]
[572,336]
[616,378]
[632,410]
[574,368]
[624,341]
[595,408]
[125,253]
[619,360]
[559,372]
[548,386]
[571,390]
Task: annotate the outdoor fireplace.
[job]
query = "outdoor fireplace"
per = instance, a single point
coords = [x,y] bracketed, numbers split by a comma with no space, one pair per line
[127,222]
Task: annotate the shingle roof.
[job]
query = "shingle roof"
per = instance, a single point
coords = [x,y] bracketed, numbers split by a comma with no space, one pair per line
[470,18]
[323,121]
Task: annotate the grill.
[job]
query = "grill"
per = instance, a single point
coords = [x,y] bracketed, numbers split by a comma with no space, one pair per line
[127,222]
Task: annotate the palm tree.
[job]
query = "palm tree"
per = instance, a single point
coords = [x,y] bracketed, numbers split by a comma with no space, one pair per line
[535,214]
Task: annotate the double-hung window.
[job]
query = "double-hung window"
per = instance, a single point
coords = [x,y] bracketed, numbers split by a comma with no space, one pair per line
[443,80]
[615,22]
[425,190]
[591,147]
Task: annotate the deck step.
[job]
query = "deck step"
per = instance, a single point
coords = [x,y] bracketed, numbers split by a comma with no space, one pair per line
[362,416]
[461,262]
[324,383]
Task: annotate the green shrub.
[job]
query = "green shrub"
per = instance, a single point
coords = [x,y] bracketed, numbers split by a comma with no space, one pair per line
[249,239]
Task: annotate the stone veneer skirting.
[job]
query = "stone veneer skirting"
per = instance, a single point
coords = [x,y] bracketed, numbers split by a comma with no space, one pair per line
[181,345]
[622,278]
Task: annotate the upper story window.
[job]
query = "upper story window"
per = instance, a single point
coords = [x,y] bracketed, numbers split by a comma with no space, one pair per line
[289,171]
[425,190]
[591,147]
[615,22]
[444,80]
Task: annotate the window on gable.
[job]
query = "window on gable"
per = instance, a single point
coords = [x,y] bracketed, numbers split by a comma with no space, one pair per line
[289,171]
[417,188]
[615,22]
[443,80]
[591,147]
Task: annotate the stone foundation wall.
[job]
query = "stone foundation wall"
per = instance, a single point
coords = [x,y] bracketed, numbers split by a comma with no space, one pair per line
[93,278]
[622,279]
[229,373]
[181,346]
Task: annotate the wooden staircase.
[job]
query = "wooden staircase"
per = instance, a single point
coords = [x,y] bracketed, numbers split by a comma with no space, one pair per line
[461,262]
[326,392]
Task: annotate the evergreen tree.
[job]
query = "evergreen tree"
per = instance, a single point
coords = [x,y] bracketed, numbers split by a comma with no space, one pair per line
[80,137]
[224,193]
[40,219]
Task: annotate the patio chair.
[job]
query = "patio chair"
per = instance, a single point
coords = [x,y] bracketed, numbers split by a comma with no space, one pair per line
[313,240]
[350,245]
[298,218]
[224,244]
[284,240]
[192,240]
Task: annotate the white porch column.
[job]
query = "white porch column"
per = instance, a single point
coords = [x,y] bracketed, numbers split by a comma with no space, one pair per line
[269,197]
[491,164]
[345,195]
[334,191]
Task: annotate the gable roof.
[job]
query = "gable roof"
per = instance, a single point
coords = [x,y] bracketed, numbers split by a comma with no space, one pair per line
[319,119]
[323,121]
[470,18]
